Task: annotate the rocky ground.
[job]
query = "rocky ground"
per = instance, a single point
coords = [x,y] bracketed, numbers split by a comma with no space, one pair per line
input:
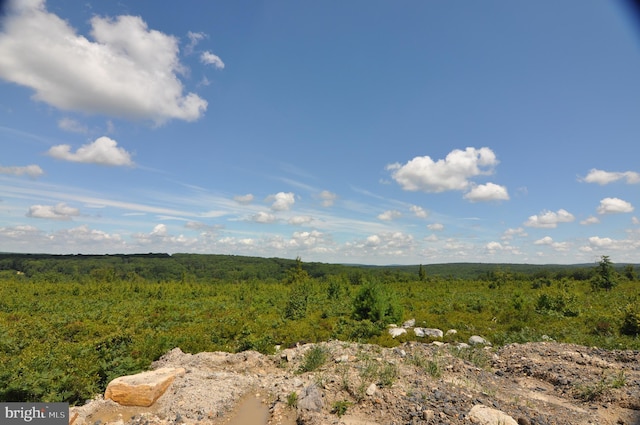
[335,382]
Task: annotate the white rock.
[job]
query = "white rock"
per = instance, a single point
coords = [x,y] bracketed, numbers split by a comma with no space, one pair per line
[478,340]
[484,415]
[371,390]
[409,323]
[451,332]
[395,332]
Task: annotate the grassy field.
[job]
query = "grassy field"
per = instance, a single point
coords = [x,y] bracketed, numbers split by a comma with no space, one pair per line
[63,337]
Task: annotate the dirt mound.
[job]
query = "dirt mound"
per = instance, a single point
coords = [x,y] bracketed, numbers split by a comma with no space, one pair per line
[355,384]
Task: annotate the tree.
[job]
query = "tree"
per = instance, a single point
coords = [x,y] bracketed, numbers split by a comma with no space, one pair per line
[605,276]
[376,303]
[422,275]
[630,272]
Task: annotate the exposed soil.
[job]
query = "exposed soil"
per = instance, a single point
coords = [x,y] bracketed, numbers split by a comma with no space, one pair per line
[536,383]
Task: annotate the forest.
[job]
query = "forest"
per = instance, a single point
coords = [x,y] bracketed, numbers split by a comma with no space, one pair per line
[71,323]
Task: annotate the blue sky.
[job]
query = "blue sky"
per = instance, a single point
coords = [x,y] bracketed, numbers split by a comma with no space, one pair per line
[370,132]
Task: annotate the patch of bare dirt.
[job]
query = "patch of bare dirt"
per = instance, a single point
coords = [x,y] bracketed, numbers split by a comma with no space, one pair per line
[537,383]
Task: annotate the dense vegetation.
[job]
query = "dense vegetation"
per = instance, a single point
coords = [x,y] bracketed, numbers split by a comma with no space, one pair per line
[70,324]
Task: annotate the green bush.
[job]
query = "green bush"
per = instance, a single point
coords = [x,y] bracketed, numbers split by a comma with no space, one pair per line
[631,320]
[377,303]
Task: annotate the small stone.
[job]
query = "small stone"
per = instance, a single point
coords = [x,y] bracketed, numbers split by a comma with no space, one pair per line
[371,390]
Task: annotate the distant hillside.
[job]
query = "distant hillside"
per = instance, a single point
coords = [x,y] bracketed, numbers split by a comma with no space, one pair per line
[164,267]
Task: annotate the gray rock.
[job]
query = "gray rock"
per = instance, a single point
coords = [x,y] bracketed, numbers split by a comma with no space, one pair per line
[311,399]
[395,332]
[478,340]
[409,323]
[428,332]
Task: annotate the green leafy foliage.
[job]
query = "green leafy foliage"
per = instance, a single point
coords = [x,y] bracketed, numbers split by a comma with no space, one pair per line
[70,324]
[376,303]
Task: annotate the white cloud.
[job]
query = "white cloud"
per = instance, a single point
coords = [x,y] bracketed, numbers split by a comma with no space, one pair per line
[453,173]
[328,198]
[602,177]
[494,246]
[487,192]
[127,70]
[590,220]
[389,215]
[510,233]
[306,239]
[282,201]
[435,227]
[549,219]
[194,39]
[614,205]
[635,220]
[209,58]
[60,211]
[30,170]
[103,151]
[548,241]
[263,217]
[419,211]
[243,199]
[300,220]
[71,125]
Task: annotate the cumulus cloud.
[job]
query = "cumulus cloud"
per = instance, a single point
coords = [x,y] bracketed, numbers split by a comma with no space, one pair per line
[32,171]
[602,177]
[299,220]
[435,227]
[590,220]
[60,211]
[282,201]
[328,198]
[548,241]
[125,70]
[103,151]
[419,211]
[452,173]
[389,215]
[209,58]
[487,192]
[71,125]
[613,206]
[549,219]
[494,246]
[511,232]
[243,199]
[263,217]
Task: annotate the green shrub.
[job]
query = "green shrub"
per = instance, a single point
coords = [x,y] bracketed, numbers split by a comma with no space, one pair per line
[631,320]
[313,359]
[340,407]
[377,303]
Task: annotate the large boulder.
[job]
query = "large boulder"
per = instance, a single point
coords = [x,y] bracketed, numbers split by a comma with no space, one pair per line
[142,389]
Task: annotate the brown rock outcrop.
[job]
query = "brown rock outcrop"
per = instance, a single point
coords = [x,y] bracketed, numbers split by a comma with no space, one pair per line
[142,389]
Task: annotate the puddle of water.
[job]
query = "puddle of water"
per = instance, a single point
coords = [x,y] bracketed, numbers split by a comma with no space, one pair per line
[250,411]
